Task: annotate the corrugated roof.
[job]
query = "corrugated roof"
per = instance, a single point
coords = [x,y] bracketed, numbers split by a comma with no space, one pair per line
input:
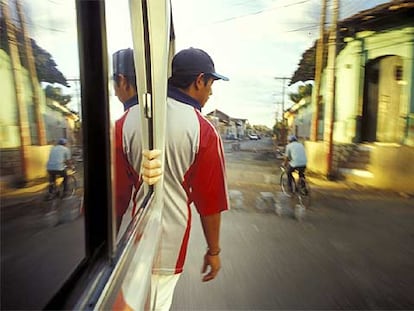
[379,16]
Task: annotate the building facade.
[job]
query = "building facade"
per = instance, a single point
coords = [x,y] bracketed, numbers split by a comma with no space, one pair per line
[373,126]
[21,163]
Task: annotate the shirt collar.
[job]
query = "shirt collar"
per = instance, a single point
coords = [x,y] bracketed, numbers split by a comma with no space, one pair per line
[131,102]
[177,94]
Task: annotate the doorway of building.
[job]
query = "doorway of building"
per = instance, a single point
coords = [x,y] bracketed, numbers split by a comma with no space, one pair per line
[381,104]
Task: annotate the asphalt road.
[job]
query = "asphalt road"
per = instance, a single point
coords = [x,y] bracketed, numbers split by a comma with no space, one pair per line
[41,244]
[353,250]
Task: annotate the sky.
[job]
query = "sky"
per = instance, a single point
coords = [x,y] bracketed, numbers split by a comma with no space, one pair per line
[251,41]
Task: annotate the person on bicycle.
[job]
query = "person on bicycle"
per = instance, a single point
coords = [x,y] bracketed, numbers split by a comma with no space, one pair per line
[295,159]
[59,160]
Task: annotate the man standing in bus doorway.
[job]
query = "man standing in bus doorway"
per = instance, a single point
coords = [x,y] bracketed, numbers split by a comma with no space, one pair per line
[194,174]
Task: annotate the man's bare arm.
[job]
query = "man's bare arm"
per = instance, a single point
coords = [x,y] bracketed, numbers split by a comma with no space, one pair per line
[211,228]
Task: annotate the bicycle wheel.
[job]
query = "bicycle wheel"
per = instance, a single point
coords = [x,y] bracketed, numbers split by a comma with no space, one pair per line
[71,186]
[284,185]
[51,192]
[304,193]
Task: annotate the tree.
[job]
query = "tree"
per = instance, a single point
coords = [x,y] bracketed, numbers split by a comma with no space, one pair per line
[303,91]
[45,65]
[280,131]
[56,94]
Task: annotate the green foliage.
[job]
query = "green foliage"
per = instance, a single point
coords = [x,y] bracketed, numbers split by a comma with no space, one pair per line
[303,91]
[261,128]
[279,129]
[56,94]
[45,65]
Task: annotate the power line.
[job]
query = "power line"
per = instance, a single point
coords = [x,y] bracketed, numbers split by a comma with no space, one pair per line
[260,12]
[304,28]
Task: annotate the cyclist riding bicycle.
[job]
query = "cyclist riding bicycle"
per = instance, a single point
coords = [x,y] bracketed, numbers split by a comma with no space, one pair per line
[59,160]
[295,159]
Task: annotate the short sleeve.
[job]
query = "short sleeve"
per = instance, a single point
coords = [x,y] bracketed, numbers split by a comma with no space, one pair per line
[208,181]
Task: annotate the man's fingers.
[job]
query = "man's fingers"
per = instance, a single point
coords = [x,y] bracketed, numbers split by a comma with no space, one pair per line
[209,276]
[151,166]
[151,180]
[155,172]
[204,268]
[151,176]
[214,264]
[155,163]
[151,154]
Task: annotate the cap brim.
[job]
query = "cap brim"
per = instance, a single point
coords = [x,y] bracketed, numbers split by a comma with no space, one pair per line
[219,77]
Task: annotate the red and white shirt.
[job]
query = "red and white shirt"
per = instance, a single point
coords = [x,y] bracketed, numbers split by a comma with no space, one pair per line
[128,190]
[194,173]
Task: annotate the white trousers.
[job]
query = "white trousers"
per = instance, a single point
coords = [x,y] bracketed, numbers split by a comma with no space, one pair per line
[162,291]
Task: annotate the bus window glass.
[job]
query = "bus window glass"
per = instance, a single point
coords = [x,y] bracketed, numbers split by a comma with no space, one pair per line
[42,224]
[121,64]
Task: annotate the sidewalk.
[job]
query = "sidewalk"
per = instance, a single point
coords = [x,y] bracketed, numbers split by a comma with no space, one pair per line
[12,196]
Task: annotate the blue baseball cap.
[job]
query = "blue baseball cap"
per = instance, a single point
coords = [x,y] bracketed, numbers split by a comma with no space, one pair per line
[193,61]
[62,141]
[123,62]
[292,138]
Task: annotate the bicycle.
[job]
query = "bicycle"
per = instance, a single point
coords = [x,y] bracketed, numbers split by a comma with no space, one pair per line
[57,186]
[300,187]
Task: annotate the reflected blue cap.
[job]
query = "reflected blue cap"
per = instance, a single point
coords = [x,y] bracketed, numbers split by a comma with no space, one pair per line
[123,62]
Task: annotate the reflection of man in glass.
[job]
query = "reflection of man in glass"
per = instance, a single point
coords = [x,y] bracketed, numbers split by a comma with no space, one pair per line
[127,182]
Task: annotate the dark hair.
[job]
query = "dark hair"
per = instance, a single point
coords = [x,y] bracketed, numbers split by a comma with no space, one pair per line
[184,81]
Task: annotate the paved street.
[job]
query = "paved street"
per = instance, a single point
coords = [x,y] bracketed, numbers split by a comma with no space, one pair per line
[41,243]
[353,250]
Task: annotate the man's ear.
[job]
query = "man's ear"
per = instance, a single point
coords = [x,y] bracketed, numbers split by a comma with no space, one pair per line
[123,81]
[199,81]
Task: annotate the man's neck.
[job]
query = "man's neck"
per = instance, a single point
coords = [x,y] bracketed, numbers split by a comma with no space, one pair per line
[132,101]
[183,96]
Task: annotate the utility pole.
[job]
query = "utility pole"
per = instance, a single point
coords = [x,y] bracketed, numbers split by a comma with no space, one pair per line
[283,130]
[23,119]
[330,94]
[320,47]
[28,52]
[283,96]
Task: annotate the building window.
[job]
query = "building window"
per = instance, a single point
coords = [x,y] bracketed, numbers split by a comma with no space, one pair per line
[398,73]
